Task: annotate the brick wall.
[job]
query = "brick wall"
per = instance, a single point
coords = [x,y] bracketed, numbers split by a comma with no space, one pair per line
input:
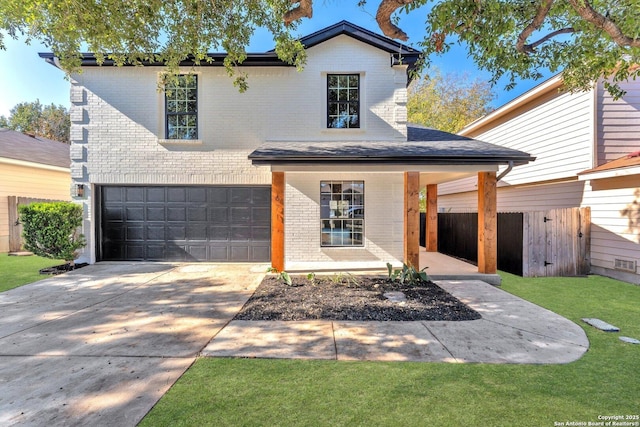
[384,239]
[117,119]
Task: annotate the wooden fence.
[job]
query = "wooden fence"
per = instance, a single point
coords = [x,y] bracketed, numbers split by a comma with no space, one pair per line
[15,228]
[547,243]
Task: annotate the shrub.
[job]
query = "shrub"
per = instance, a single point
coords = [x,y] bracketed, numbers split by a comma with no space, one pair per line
[51,229]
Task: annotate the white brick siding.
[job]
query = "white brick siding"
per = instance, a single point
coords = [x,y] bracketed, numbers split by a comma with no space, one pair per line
[118,127]
[384,240]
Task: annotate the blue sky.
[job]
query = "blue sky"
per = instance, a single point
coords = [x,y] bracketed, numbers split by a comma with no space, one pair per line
[26,77]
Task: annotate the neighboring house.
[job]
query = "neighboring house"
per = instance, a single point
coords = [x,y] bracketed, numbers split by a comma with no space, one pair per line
[30,167]
[309,170]
[587,155]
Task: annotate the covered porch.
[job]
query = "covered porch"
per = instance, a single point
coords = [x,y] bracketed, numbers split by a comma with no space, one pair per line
[426,159]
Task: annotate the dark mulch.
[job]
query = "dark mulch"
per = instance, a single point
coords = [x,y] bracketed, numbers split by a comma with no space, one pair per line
[62,268]
[364,300]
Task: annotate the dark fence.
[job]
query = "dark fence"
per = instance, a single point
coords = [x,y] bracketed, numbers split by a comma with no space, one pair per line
[458,237]
[510,242]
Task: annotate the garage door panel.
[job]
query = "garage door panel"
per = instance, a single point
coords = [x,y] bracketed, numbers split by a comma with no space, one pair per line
[197,195]
[156,232]
[156,213]
[113,194]
[260,252]
[176,194]
[239,253]
[134,194]
[135,252]
[198,213]
[219,215]
[219,253]
[261,196]
[220,234]
[260,216]
[197,232]
[155,195]
[177,232]
[240,215]
[135,233]
[195,223]
[219,195]
[177,214]
[261,234]
[134,213]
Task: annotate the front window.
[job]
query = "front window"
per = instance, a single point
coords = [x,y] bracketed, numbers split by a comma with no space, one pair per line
[343,101]
[181,107]
[342,213]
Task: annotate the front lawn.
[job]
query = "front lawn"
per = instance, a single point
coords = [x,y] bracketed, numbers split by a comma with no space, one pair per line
[19,270]
[259,392]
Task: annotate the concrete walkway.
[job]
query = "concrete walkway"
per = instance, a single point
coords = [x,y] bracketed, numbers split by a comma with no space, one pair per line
[511,331]
[99,346]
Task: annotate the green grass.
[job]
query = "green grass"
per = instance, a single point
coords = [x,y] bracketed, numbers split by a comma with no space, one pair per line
[255,392]
[19,270]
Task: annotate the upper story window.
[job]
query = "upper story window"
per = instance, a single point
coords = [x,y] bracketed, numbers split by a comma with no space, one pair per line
[343,100]
[181,107]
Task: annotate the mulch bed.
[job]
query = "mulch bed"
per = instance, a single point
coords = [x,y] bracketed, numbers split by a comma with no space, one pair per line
[355,298]
[62,268]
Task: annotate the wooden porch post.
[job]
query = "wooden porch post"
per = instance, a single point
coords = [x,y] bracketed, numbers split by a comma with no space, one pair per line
[412,219]
[277,220]
[431,218]
[487,223]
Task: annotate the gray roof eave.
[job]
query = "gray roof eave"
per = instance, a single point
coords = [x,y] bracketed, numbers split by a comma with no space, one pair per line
[392,152]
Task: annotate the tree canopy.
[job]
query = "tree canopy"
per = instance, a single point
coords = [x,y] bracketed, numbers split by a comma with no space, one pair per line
[448,102]
[587,39]
[49,121]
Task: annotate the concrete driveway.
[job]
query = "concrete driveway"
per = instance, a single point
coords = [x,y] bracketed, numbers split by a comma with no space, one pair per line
[100,345]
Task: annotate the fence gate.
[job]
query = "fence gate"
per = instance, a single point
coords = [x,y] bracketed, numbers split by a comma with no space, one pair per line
[556,242]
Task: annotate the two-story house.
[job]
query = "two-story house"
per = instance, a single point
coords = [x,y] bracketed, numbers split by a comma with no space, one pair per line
[309,170]
[587,155]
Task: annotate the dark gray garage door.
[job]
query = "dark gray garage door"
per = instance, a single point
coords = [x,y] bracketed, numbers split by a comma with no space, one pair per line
[185,223]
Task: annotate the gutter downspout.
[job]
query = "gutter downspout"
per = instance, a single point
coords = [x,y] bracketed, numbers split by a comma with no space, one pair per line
[506,171]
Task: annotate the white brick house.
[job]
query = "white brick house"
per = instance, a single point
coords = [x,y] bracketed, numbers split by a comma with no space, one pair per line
[313,169]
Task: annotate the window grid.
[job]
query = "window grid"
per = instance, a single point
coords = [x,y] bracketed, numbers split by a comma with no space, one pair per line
[343,100]
[181,106]
[341,213]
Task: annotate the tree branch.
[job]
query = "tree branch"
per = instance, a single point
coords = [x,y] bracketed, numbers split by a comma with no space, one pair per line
[551,35]
[383,17]
[303,10]
[541,14]
[589,14]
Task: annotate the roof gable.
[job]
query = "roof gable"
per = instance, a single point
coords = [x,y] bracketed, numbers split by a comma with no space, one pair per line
[358,33]
[400,53]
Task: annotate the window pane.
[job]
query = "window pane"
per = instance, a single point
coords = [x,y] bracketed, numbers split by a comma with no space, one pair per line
[343,101]
[341,213]
[182,108]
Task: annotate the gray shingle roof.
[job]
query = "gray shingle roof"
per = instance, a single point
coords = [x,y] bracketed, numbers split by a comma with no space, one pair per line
[423,146]
[18,146]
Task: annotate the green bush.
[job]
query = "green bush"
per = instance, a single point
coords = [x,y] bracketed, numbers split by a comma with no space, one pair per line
[51,229]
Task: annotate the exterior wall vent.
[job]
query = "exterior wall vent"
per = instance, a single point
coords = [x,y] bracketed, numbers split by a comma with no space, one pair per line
[626,265]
